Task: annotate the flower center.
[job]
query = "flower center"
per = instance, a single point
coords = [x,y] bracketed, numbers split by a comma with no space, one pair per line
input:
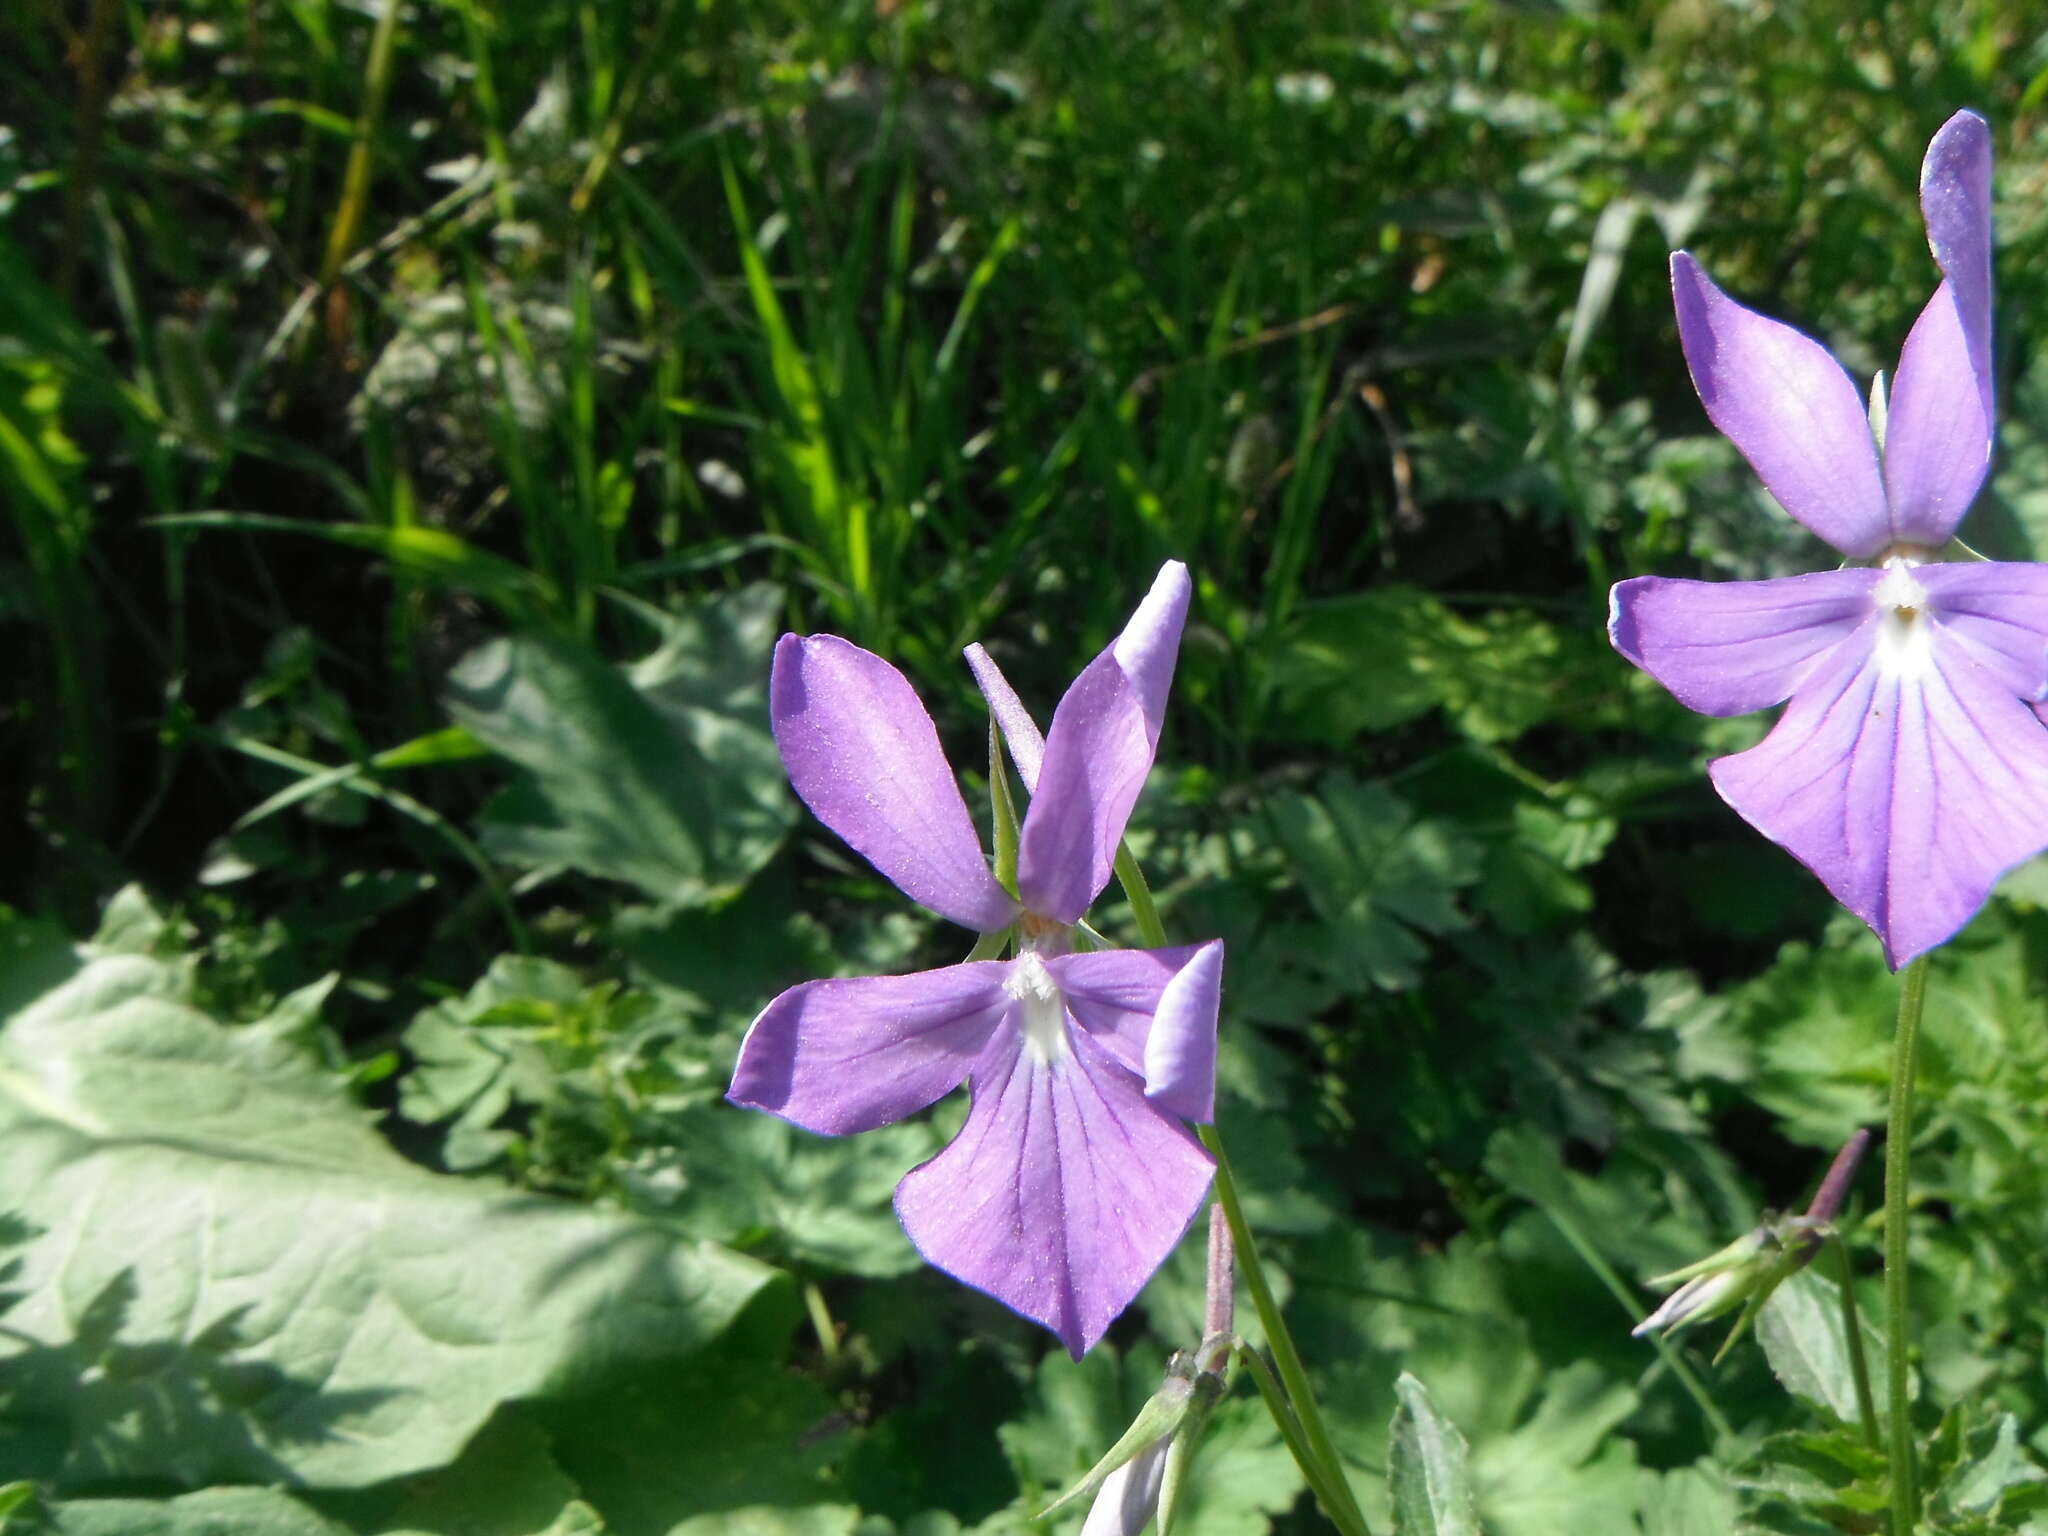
[1041,1012]
[1905,642]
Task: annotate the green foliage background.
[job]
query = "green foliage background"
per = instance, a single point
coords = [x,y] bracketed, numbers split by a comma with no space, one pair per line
[418,420]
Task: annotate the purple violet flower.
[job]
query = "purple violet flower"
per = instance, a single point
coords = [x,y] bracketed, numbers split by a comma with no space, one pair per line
[1074,1176]
[1909,770]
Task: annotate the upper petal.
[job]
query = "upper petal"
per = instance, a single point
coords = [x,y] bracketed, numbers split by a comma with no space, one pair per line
[1020,731]
[1781,398]
[849,1054]
[1728,647]
[1155,1011]
[2000,611]
[864,756]
[1064,1191]
[1938,431]
[1955,198]
[1908,786]
[1097,754]
[1939,437]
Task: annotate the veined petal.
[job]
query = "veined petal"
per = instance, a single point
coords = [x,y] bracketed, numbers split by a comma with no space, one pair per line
[849,1054]
[1154,1010]
[1908,779]
[2000,610]
[864,756]
[1729,647]
[1064,1191]
[1020,731]
[1784,401]
[1097,754]
[1128,1497]
[1938,429]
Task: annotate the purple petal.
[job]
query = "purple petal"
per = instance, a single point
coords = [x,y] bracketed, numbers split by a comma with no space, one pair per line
[850,1054]
[864,756]
[1728,647]
[2001,611]
[1908,781]
[1955,198]
[1097,754]
[1943,408]
[1937,443]
[1020,731]
[1125,1502]
[1064,1191]
[1782,399]
[1154,1010]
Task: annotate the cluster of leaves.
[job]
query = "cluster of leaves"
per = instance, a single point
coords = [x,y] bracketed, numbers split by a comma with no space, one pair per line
[417,422]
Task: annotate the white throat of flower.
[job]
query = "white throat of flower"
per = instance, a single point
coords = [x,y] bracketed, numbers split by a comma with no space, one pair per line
[1905,637]
[1041,1012]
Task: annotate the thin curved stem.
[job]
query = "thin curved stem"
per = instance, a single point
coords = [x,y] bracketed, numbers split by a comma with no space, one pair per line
[1898,1151]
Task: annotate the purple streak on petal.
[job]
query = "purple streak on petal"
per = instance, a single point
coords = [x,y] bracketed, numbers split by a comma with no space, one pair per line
[862,753]
[1729,647]
[1020,731]
[1908,794]
[1097,754]
[1113,994]
[850,1054]
[2001,611]
[1938,432]
[1782,399]
[1064,1191]
[1129,1496]
[1154,1010]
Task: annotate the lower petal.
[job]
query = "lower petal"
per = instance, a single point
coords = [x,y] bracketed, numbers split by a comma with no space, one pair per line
[1729,647]
[1907,791]
[849,1054]
[1064,1191]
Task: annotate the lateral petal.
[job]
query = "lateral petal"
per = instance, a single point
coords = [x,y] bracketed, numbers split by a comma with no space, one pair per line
[1784,401]
[1729,647]
[849,1054]
[1097,754]
[2000,609]
[1064,1191]
[864,756]
[1155,1011]
[1908,788]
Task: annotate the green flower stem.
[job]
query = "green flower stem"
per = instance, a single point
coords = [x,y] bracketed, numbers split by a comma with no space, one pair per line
[1898,1151]
[1320,1465]
[1290,1427]
[1852,1327]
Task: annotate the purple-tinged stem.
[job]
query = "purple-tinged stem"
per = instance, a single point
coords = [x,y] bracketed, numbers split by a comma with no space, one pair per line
[1834,1189]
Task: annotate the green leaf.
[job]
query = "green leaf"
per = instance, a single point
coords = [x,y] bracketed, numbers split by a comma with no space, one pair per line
[663,775]
[1431,1483]
[209,1512]
[1807,1344]
[234,1277]
[1376,876]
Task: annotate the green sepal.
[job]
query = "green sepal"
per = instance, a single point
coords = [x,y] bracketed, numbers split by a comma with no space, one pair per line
[1879,408]
[1005,809]
[1160,1417]
[1208,1392]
